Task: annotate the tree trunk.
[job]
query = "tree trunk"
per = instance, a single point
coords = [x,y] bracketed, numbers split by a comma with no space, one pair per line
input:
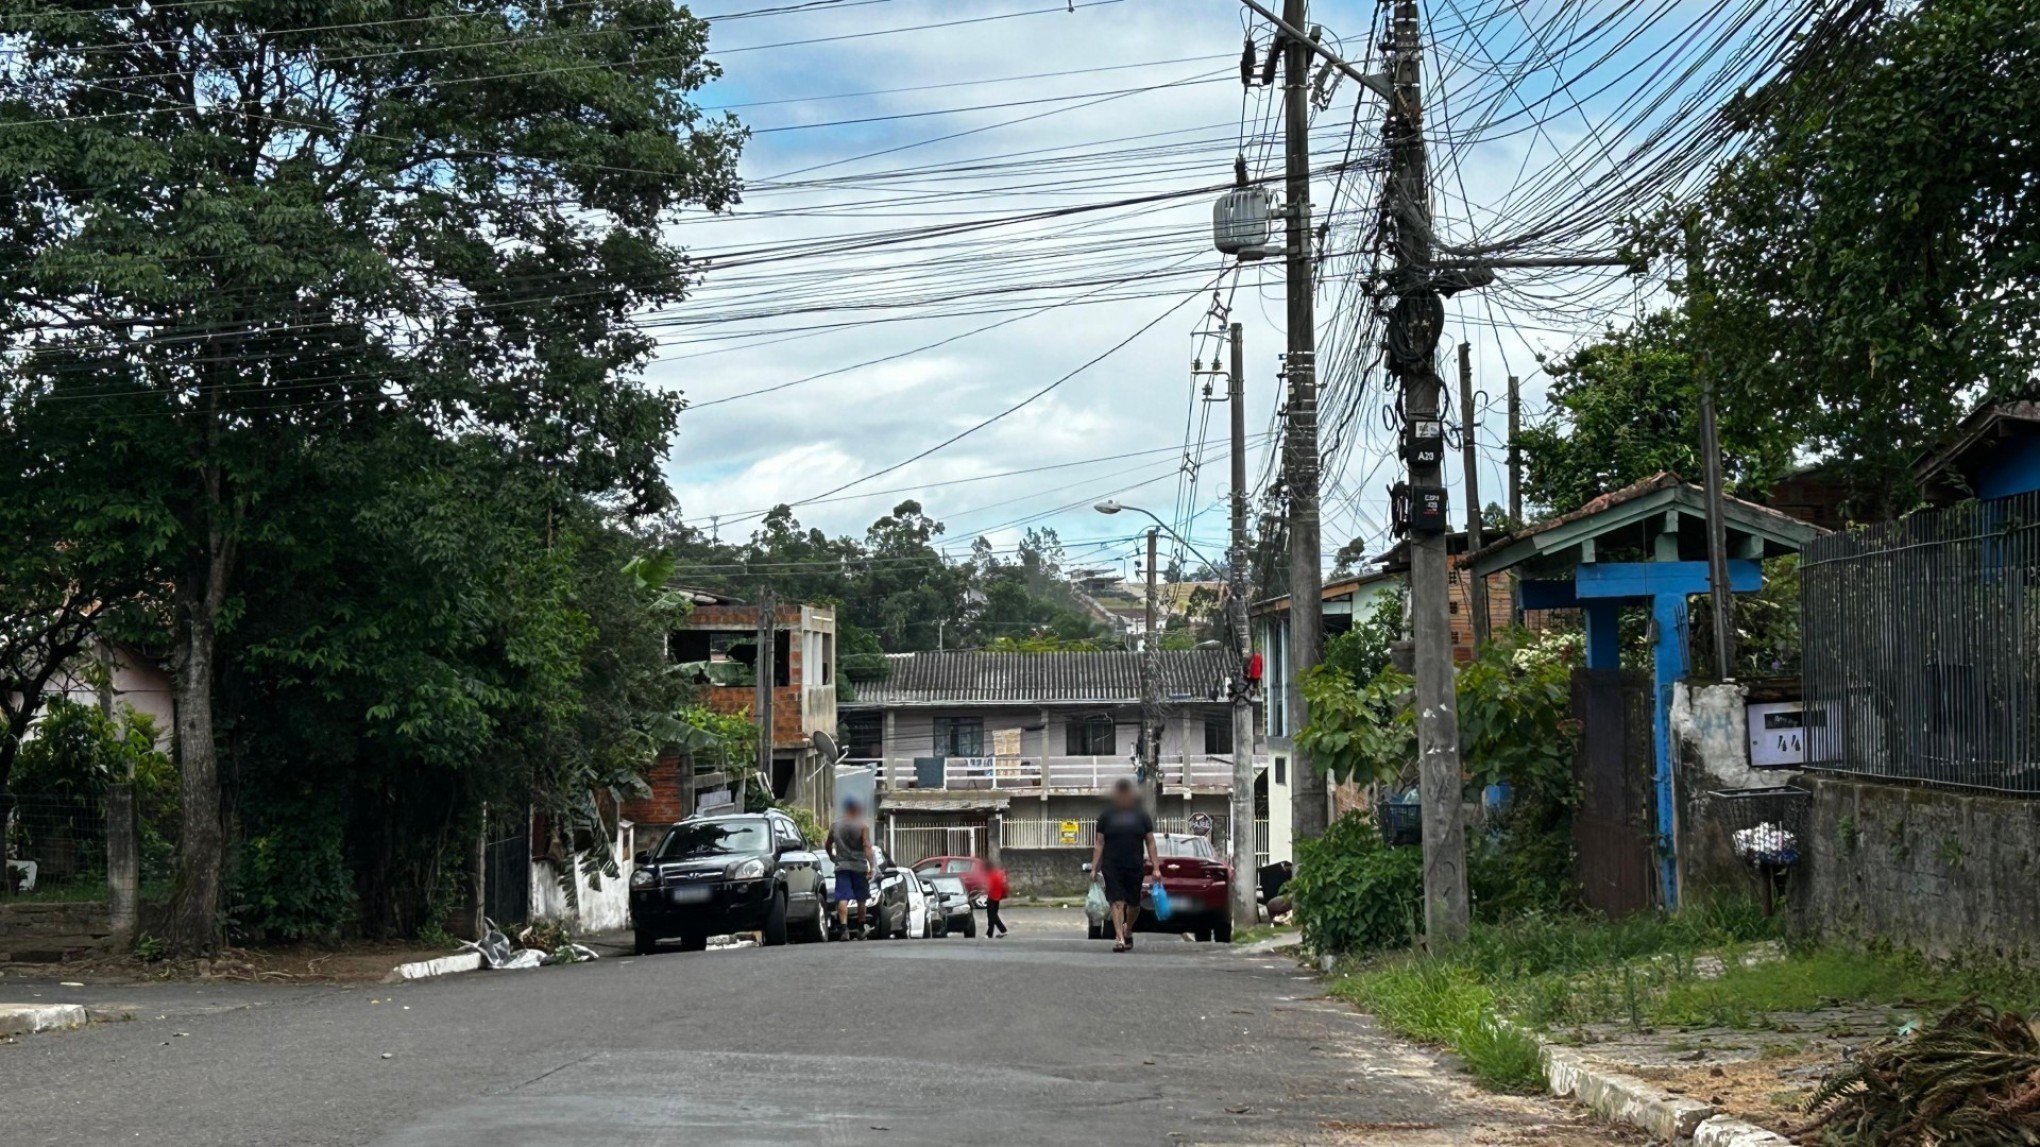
[201,845]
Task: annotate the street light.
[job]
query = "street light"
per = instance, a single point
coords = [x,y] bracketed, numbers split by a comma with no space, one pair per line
[1111,507]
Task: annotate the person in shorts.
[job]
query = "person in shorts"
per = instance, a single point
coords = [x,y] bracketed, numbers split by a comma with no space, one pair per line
[850,847]
[1123,852]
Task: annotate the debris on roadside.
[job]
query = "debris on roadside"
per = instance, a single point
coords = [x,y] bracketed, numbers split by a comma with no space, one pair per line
[1971,1076]
[499,953]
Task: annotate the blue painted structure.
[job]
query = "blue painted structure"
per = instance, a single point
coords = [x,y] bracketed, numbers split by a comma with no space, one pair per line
[2015,469]
[1662,522]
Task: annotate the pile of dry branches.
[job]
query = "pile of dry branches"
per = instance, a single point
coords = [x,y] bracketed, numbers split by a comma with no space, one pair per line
[1971,1077]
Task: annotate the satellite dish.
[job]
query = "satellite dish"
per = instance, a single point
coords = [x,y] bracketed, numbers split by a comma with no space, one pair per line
[826,746]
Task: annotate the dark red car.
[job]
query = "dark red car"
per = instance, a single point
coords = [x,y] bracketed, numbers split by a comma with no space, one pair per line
[1198,884]
[968,869]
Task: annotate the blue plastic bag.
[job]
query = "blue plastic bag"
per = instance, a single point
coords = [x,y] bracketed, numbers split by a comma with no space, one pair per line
[1161,899]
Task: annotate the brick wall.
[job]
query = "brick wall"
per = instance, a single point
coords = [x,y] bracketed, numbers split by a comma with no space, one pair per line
[663,804]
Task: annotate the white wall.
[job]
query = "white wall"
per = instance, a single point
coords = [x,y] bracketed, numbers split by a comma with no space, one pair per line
[137,683]
[605,908]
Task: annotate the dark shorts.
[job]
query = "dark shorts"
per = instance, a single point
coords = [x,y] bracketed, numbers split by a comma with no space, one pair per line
[1122,885]
[853,887]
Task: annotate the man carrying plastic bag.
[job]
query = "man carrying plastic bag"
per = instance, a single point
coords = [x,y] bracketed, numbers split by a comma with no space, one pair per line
[1125,833]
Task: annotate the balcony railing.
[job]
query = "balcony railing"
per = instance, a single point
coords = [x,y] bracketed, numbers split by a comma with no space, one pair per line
[1088,774]
[1017,833]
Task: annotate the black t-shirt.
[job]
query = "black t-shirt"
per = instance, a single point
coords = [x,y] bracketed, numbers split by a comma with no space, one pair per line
[1125,832]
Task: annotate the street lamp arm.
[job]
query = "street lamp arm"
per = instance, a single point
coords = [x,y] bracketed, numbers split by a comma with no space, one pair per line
[1115,507]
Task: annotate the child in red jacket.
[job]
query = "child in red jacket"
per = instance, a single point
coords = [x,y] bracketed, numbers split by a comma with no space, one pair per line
[995,891]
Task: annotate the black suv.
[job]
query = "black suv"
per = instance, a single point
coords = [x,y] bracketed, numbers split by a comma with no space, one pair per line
[713,875]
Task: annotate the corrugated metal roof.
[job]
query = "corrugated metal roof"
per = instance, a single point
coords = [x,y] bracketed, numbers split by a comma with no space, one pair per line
[973,677]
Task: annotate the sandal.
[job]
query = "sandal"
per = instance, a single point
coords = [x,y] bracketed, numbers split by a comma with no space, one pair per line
[1122,946]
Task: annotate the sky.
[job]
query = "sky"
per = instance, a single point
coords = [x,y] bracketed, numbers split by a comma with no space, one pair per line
[834,287]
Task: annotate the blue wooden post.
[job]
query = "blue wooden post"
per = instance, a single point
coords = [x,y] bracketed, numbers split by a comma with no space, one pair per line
[1669,657]
[1604,646]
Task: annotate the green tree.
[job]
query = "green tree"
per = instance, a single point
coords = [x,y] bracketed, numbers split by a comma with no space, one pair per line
[1864,271]
[269,231]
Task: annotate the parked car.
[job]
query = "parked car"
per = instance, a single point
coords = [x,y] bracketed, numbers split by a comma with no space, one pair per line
[1197,882]
[952,905]
[969,869]
[902,912]
[713,875]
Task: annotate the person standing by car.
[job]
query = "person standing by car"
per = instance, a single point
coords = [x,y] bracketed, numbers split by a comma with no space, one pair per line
[995,891]
[1125,839]
[851,848]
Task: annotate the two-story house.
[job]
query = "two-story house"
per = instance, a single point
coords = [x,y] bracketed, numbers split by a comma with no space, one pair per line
[981,753]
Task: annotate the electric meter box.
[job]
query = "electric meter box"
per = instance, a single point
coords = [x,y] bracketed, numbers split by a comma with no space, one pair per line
[1425,445]
[1429,513]
[1243,220]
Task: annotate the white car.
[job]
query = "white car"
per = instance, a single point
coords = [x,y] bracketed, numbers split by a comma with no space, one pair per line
[902,884]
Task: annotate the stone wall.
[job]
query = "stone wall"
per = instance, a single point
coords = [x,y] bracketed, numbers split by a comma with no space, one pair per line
[1941,872]
[1045,871]
[1711,734]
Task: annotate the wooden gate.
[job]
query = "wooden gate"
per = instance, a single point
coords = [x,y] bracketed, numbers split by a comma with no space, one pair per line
[1612,833]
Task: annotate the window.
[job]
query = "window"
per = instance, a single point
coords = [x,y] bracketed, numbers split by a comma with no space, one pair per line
[959,737]
[863,735]
[1282,770]
[713,838]
[1218,736]
[828,659]
[1093,737]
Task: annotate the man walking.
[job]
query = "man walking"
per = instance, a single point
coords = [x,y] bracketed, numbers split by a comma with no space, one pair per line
[1125,838]
[850,847]
[995,891]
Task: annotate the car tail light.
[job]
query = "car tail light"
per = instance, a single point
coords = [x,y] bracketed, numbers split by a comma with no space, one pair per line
[1217,872]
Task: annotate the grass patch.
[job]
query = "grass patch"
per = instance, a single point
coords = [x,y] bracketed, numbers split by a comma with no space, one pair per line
[1260,932]
[1439,1003]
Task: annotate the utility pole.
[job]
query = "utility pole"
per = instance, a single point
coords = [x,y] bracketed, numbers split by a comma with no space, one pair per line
[768,656]
[1469,455]
[1308,811]
[123,859]
[1717,533]
[1150,679]
[1515,454]
[1244,913]
[1419,318]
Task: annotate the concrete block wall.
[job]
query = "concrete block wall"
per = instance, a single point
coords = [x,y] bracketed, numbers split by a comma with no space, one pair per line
[1045,871]
[1942,872]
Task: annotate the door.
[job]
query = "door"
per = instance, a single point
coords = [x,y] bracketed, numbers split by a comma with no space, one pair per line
[1613,837]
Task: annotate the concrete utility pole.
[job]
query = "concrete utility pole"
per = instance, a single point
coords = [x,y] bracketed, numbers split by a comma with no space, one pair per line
[1308,804]
[1717,534]
[1419,315]
[1244,913]
[1469,456]
[768,655]
[123,856]
[1150,679]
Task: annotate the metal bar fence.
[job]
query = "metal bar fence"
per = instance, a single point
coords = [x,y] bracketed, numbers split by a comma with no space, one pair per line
[53,844]
[1922,647]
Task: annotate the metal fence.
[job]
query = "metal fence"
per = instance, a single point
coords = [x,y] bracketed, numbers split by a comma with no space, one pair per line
[52,842]
[1922,647]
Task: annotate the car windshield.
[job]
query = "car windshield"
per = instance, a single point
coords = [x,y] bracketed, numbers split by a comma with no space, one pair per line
[715,838]
[1191,846]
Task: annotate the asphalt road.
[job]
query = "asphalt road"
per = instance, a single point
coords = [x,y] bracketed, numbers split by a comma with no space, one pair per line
[1039,1038]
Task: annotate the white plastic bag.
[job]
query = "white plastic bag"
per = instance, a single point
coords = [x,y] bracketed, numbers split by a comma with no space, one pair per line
[1095,906]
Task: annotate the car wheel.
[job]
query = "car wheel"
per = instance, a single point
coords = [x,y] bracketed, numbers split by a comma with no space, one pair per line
[775,921]
[644,943]
[693,943]
[881,924]
[815,928]
[970,928]
[1222,931]
[1203,935]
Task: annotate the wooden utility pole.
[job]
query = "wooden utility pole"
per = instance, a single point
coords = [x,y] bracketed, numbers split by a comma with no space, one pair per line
[1469,456]
[1515,454]
[1308,803]
[1244,912]
[768,656]
[1419,315]
[1717,534]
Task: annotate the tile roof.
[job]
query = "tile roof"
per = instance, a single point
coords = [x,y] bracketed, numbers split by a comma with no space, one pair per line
[975,677]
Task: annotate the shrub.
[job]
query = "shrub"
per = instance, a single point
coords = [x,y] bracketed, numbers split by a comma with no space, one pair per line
[1353,893]
[293,880]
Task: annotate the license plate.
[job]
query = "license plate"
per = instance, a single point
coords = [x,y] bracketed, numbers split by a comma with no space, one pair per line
[700,895]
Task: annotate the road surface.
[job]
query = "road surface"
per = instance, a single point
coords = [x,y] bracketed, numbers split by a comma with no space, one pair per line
[1039,1038]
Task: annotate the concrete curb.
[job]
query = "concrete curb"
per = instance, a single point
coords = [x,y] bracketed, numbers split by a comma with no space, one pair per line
[1627,1099]
[21,1019]
[427,969]
[1728,1131]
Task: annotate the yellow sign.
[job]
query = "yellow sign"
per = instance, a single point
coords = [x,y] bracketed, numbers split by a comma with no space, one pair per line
[1069,832]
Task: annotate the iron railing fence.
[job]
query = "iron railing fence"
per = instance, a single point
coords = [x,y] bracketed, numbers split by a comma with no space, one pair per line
[1922,647]
[51,842]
